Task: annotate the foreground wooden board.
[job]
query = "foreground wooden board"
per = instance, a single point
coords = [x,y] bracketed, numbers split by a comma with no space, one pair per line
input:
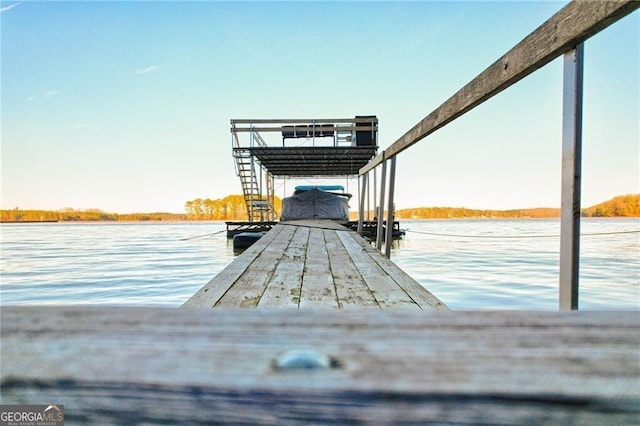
[155,365]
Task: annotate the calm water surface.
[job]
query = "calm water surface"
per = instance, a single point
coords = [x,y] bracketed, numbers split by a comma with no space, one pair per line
[469,264]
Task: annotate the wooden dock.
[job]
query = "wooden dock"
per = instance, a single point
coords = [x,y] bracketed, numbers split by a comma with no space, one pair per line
[419,365]
[313,264]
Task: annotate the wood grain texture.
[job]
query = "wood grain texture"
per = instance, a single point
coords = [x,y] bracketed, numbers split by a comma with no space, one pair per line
[210,293]
[313,264]
[283,290]
[155,365]
[317,281]
[572,25]
[351,290]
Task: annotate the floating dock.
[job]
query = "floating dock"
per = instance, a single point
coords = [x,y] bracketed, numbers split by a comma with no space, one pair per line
[313,264]
[369,228]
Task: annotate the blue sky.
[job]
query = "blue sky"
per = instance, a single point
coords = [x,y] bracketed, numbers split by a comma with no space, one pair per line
[125,106]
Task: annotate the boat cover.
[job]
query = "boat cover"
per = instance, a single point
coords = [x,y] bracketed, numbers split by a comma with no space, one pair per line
[315,204]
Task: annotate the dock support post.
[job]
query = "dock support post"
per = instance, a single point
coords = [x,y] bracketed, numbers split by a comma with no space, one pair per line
[368,200]
[383,179]
[363,191]
[571,178]
[390,207]
[375,193]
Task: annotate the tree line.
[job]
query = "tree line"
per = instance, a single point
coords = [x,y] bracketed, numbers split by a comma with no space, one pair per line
[460,213]
[232,207]
[621,206]
[87,215]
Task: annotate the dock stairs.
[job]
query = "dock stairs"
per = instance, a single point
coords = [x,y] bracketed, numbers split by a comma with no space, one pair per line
[259,206]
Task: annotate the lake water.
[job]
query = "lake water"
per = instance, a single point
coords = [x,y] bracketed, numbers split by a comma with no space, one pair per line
[468,264]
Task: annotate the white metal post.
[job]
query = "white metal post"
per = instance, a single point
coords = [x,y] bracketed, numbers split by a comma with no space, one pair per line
[383,179]
[368,200]
[571,177]
[363,191]
[390,209]
[375,193]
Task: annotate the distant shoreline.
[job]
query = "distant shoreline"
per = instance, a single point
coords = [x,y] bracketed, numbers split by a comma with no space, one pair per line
[29,221]
[232,208]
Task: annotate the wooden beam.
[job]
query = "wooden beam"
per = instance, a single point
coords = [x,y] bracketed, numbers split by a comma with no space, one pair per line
[571,26]
[192,366]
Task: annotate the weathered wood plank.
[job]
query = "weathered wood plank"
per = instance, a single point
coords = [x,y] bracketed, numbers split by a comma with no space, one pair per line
[385,290]
[295,265]
[211,292]
[154,365]
[572,25]
[351,290]
[423,297]
[283,291]
[249,287]
[317,290]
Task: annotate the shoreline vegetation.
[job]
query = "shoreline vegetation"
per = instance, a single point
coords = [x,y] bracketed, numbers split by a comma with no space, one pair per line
[232,208]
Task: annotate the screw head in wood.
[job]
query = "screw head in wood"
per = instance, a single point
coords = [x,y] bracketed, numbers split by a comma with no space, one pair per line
[304,359]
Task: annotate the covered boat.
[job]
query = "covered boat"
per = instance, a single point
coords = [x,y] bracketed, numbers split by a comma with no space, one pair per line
[316,202]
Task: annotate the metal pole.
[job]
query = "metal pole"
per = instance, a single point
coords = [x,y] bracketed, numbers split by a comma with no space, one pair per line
[252,190]
[381,207]
[392,184]
[368,202]
[571,177]
[375,193]
[363,190]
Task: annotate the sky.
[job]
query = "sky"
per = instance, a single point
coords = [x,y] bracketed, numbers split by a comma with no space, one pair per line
[125,106]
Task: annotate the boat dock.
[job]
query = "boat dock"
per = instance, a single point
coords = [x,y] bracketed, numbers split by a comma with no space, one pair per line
[369,228]
[353,362]
[313,264]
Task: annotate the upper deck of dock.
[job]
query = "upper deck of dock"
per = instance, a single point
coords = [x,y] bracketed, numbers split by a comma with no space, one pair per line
[313,264]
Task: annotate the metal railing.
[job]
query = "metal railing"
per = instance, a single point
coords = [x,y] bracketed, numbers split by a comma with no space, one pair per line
[561,35]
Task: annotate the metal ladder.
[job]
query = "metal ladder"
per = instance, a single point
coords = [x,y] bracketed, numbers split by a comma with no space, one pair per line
[259,207]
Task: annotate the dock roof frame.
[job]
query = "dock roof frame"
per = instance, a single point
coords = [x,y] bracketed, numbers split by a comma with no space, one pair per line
[339,159]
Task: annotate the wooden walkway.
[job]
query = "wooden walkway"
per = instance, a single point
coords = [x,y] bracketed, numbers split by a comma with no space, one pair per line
[313,264]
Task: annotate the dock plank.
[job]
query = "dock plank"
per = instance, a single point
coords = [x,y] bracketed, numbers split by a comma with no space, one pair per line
[385,290]
[313,264]
[423,297]
[250,286]
[283,291]
[351,289]
[317,290]
[209,295]
[190,366]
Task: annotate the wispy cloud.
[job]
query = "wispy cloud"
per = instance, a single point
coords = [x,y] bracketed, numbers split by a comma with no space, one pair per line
[8,7]
[46,94]
[147,70]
